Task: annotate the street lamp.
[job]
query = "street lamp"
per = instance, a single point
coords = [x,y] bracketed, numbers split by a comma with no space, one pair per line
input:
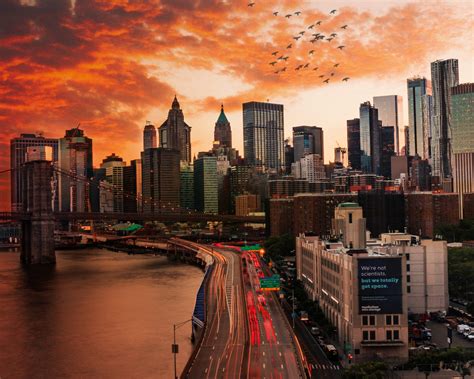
[175,346]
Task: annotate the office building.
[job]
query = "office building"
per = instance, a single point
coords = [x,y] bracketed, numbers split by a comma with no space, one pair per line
[114,174]
[18,149]
[420,174]
[238,181]
[370,139]
[149,136]
[462,110]
[186,174]
[75,164]
[427,110]
[425,212]
[264,135]
[308,140]
[175,134]
[371,321]
[286,187]
[132,187]
[289,156]
[444,76]
[206,184]
[391,114]
[387,152]
[418,115]
[309,167]
[353,143]
[160,179]
[222,130]
[246,204]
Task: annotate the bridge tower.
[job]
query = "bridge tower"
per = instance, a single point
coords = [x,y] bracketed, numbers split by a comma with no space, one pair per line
[37,243]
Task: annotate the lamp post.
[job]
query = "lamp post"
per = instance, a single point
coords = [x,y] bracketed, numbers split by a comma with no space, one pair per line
[175,346]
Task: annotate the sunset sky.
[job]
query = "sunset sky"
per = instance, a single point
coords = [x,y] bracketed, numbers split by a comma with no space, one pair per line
[110,65]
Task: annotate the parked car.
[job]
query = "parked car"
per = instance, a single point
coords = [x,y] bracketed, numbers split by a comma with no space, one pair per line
[315,331]
[461,328]
[331,352]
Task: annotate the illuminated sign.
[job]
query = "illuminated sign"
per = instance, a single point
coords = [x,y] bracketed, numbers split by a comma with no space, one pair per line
[271,283]
[380,285]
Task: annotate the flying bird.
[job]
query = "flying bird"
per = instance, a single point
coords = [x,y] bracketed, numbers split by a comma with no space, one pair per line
[297,13]
[313,40]
[345,79]
[302,32]
[275,13]
[321,76]
[277,71]
[333,11]
[283,69]
[344,27]
[297,68]
[337,64]
[311,52]
[250,4]
[285,58]
[326,81]
[332,73]
[333,34]
[296,38]
[311,26]
[288,15]
[341,47]
[275,53]
[306,65]
[316,34]
[319,23]
[289,46]
[273,63]
[315,69]
[329,39]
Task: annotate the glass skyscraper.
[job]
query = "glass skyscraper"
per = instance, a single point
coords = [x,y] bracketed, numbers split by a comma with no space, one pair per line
[370,139]
[353,143]
[264,135]
[206,185]
[462,107]
[307,140]
[417,89]
[444,75]
[391,114]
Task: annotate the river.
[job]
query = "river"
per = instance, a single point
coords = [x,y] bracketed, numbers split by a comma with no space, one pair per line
[95,314]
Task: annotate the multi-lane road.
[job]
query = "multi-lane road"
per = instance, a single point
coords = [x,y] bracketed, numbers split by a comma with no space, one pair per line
[247,334]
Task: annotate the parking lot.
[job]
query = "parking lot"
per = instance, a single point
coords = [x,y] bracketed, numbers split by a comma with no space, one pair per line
[440,336]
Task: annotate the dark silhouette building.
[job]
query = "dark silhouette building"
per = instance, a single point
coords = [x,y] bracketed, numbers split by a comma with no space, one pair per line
[308,140]
[222,130]
[175,133]
[149,136]
[388,151]
[353,143]
[370,139]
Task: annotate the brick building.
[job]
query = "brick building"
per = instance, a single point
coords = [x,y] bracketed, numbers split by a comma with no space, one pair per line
[281,216]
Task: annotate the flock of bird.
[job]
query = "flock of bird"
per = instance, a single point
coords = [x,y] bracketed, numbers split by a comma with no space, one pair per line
[315,37]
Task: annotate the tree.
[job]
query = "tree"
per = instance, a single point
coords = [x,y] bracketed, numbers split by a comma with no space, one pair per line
[369,370]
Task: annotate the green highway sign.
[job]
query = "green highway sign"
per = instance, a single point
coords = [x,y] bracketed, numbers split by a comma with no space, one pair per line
[270,283]
[250,247]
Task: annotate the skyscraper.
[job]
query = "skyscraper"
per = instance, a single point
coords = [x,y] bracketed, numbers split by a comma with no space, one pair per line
[444,75]
[18,147]
[175,133]
[186,175]
[132,186]
[308,140]
[263,135]
[114,174]
[149,136]
[418,113]
[75,163]
[388,151]
[370,138]
[427,109]
[353,143]
[160,179]
[391,114]
[462,107]
[205,184]
[222,131]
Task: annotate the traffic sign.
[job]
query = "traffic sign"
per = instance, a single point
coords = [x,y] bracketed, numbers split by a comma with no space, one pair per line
[271,283]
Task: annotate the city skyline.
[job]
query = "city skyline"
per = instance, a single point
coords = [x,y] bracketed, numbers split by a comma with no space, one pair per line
[112,97]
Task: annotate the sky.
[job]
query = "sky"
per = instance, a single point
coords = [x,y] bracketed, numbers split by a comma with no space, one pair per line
[111,65]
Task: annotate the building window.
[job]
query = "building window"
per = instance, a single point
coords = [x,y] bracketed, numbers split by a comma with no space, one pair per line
[408,278]
[408,267]
[371,320]
[368,335]
[365,320]
[396,334]
[350,218]
[408,256]
[388,320]
[396,320]
[372,335]
[388,335]
[408,289]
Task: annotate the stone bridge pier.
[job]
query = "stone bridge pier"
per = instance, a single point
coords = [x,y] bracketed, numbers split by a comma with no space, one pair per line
[37,242]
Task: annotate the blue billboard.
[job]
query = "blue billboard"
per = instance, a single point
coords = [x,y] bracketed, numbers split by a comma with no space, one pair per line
[380,285]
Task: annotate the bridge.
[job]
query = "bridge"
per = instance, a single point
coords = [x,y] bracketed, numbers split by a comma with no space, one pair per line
[179,216]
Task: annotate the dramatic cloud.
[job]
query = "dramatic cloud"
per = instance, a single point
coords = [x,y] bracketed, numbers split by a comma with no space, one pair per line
[106,63]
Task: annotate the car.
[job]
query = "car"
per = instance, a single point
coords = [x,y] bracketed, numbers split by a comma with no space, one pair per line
[331,352]
[470,336]
[320,340]
[467,331]
[315,331]
[461,328]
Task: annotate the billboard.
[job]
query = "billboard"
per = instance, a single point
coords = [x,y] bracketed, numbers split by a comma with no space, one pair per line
[380,285]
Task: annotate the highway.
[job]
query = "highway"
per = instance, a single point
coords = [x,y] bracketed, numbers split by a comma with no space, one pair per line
[273,352]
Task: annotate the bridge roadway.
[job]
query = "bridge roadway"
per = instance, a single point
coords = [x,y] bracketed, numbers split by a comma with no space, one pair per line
[176,216]
[230,348]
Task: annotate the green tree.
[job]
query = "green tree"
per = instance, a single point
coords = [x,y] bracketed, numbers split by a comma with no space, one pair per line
[368,370]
